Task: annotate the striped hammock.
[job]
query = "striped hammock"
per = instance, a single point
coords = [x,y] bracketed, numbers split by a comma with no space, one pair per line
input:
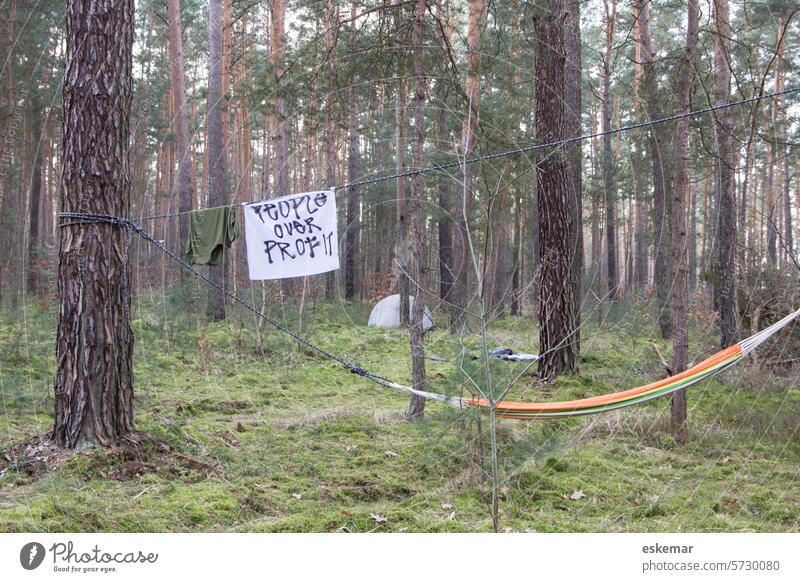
[595,404]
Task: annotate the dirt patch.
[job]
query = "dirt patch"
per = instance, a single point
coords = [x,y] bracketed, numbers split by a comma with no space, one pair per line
[33,457]
[131,456]
[137,454]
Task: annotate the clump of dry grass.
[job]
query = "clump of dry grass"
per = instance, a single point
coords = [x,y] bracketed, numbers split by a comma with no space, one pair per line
[319,417]
[632,423]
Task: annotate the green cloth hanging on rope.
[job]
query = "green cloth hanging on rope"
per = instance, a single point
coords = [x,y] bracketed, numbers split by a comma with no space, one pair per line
[210,233]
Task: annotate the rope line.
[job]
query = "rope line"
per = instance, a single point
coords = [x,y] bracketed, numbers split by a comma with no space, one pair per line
[80,218]
[518,410]
[530,410]
[522,149]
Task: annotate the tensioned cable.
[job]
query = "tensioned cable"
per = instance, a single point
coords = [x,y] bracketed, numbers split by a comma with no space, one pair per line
[517,410]
[80,218]
[521,149]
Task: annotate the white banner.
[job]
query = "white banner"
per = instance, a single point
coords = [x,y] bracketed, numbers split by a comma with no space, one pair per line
[292,236]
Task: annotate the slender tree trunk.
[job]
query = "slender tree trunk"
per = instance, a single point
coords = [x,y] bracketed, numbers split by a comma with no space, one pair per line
[771,198]
[94,341]
[640,258]
[557,318]
[217,166]
[402,250]
[417,406]
[177,75]
[693,238]
[783,155]
[445,212]
[572,126]
[726,194]
[400,124]
[280,135]
[351,253]
[596,226]
[662,276]
[460,292]
[608,157]
[680,299]
[351,239]
[516,280]
[330,132]
[35,197]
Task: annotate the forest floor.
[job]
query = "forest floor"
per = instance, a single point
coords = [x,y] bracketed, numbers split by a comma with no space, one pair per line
[276,438]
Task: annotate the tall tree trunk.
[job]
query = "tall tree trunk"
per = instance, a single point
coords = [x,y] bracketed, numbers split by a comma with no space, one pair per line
[608,157]
[446,210]
[35,196]
[217,156]
[416,408]
[640,259]
[572,128]
[693,237]
[445,213]
[402,250]
[94,341]
[280,136]
[771,197]
[661,212]
[353,227]
[596,226]
[680,299]
[783,156]
[178,80]
[330,128]
[353,161]
[725,261]
[516,278]
[460,292]
[557,318]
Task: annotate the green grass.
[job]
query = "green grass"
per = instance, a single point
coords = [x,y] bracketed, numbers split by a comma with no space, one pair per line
[303,445]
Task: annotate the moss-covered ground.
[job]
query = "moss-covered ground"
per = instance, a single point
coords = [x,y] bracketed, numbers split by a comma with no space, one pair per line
[299,444]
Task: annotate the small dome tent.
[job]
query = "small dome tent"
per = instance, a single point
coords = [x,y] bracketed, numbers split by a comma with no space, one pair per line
[386,313]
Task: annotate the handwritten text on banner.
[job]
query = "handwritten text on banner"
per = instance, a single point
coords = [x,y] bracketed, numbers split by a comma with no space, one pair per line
[292,236]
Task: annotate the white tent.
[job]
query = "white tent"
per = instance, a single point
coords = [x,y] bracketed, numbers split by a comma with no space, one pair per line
[386,313]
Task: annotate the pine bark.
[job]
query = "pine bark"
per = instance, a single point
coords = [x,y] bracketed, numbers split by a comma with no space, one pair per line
[787,243]
[281,133]
[94,340]
[557,318]
[444,226]
[217,156]
[416,407]
[402,250]
[351,253]
[573,69]
[725,260]
[661,212]
[460,292]
[178,79]
[330,128]
[351,238]
[608,158]
[680,299]
[34,198]
[445,186]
